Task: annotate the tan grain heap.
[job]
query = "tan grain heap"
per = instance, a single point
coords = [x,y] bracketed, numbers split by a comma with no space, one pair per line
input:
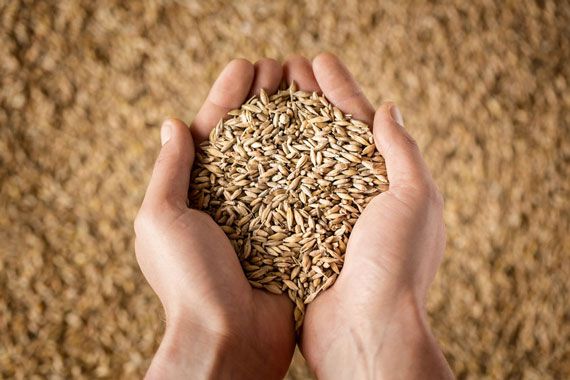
[286,178]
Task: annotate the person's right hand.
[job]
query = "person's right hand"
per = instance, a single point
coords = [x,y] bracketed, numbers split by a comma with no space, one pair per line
[372,322]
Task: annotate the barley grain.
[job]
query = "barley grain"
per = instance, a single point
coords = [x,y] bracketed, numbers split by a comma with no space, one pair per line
[286,177]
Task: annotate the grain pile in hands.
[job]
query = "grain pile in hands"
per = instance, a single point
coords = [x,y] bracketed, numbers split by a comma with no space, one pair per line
[286,177]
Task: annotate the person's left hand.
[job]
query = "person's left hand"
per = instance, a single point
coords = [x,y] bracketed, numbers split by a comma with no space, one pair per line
[216,324]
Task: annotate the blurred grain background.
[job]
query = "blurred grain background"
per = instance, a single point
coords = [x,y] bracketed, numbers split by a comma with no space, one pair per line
[483,86]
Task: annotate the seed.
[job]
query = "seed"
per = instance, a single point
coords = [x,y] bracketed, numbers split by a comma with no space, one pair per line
[291,285]
[286,177]
[273,288]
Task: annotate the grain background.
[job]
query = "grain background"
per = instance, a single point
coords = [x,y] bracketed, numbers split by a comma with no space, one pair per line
[483,86]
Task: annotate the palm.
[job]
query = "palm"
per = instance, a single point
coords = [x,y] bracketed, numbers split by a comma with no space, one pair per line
[380,246]
[372,257]
[212,270]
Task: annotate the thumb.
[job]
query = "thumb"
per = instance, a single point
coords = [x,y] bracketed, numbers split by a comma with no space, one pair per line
[404,162]
[171,175]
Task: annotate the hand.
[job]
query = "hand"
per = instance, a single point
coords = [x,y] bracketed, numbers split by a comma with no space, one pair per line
[372,322]
[216,324]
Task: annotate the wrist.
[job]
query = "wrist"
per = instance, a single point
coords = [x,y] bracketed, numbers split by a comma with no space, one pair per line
[207,351]
[188,351]
[393,344]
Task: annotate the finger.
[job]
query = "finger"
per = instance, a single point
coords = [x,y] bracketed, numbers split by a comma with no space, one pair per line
[340,87]
[298,69]
[229,91]
[404,162]
[171,174]
[268,74]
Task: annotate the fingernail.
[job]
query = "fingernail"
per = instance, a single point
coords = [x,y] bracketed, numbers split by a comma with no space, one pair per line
[165,132]
[396,115]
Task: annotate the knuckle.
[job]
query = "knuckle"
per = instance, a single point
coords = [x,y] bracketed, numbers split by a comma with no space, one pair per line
[139,223]
[144,222]
[160,160]
[435,196]
[424,195]
[409,141]
[153,216]
[431,194]
[163,158]
[240,62]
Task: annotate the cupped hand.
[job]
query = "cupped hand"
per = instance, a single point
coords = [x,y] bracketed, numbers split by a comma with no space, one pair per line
[372,323]
[217,326]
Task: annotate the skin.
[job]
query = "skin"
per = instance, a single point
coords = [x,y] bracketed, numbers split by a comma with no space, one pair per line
[217,326]
[370,324]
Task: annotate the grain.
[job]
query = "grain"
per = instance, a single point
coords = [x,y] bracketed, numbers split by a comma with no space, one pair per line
[286,177]
[85,86]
